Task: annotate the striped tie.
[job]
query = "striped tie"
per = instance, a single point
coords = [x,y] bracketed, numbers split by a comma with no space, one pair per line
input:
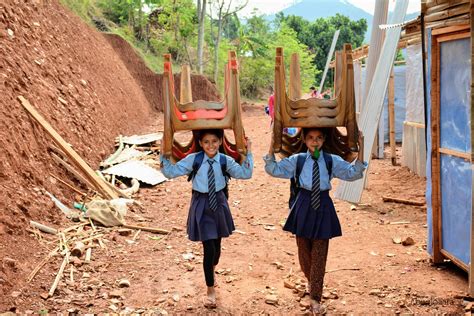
[212,186]
[315,190]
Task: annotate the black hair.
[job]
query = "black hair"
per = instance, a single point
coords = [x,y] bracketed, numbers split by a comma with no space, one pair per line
[216,132]
[312,88]
[306,130]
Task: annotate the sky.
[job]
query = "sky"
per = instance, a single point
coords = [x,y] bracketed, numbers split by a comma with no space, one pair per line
[273,6]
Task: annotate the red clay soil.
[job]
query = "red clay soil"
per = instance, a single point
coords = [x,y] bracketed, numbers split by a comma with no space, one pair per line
[74,78]
[151,82]
[367,273]
[72,75]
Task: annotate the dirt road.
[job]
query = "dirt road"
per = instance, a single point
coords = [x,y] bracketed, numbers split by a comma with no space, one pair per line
[366,270]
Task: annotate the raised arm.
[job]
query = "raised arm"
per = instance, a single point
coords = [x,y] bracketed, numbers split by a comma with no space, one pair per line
[285,168]
[181,168]
[346,171]
[245,170]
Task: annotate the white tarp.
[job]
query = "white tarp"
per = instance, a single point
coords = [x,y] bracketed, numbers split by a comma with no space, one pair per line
[414,85]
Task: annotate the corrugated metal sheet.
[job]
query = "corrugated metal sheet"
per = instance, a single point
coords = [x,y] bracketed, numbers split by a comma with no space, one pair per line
[142,139]
[135,169]
[370,115]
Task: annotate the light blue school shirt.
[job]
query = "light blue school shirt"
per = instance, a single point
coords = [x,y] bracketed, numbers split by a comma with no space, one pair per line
[286,168]
[200,183]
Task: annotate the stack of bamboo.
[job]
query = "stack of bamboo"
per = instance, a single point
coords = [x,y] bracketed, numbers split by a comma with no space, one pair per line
[75,240]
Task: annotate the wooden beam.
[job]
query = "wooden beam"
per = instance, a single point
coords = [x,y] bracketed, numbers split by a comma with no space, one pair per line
[73,171]
[458,262]
[148,229]
[435,157]
[71,154]
[455,153]
[402,201]
[391,117]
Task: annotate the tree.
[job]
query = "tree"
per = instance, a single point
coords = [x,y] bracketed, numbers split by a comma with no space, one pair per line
[318,35]
[201,14]
[222,12]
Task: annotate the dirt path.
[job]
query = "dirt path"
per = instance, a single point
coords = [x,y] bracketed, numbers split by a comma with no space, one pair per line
[366,271]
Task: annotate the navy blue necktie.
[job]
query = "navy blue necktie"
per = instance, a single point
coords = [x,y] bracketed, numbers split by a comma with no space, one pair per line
[315,190]
[211,186]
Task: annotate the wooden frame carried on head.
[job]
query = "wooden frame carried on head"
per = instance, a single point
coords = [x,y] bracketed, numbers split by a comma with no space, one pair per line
[186,114]
[293,111]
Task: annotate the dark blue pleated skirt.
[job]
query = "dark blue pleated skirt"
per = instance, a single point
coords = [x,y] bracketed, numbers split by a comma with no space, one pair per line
[205,224]
[304,221]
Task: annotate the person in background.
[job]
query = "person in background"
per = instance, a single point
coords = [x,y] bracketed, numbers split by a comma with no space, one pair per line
[315,93]
[271,104]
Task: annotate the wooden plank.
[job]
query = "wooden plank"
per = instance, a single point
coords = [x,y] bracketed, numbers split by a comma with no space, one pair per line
[455,153]
[391,117]
[71,154]
[148,229]
[458,262]
[455,21]
[448,13]
[402,201]
[73,171]
[453,37]
[450,29]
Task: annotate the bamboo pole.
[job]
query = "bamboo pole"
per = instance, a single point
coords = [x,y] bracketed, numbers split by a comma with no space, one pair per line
[391,116]
[59,275]
[148,229]
[68,185]
[44,228]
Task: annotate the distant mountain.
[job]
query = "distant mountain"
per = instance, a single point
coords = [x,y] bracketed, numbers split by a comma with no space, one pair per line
[314,9]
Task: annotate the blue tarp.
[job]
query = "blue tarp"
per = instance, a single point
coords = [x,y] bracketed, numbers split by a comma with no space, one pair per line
[455,125]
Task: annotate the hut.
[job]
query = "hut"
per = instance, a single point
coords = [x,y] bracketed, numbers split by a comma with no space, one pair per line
[445,27]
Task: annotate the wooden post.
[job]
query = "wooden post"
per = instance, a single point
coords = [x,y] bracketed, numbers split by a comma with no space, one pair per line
[391,117]
[435,156]
[295,77]
[185,91]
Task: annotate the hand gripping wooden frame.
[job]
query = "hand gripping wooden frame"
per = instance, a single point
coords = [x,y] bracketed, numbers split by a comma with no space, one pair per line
[198,115]
[293,111]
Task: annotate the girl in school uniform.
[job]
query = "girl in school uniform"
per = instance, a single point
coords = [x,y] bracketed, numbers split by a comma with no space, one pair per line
[209,218]
[312,217]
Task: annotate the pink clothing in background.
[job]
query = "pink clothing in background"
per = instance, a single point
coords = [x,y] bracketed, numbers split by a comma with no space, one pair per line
[270,106]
